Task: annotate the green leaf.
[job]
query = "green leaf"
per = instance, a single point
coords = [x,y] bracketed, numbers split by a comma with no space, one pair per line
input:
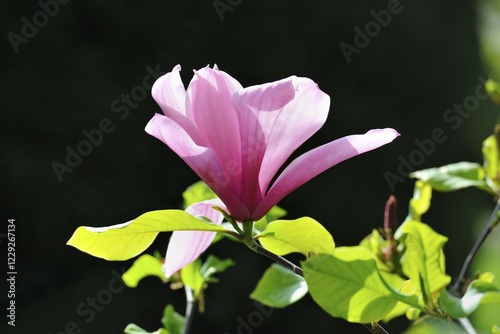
[433,325]
[303,235]
[421,201]
[275,213]
[124,241]
[192,278]
[212,266]
[493,90]
[279,287]
[197,192]
[348,285]
[490,156]
[478,292]
[134,329]
[145,265]
[172,321]
[398,284]
[453,177]
[423,261]
[495,329]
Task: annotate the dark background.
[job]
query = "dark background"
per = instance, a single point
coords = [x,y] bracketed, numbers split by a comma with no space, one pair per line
[64,80]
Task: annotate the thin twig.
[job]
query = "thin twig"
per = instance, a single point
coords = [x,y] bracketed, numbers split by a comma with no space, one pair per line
[492,222]
[278,259]
[467,325]
[190,303]
[376,328]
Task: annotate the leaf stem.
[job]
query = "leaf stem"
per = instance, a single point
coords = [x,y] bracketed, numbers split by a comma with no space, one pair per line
[492,222]
[190,303]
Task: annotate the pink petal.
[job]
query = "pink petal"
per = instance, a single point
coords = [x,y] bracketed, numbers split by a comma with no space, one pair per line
[209,107]
[170,94]
[281,116]
[258,108]
[186,246]
[201,159]
[317,160]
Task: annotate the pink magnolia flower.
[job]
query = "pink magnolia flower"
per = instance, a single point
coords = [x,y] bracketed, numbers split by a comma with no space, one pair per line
[236,139]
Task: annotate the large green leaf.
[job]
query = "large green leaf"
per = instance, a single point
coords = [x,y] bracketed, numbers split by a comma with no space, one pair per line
[405,287]
[348,285]
[478,292]
[433,325]
[303,235]
[423,261]
[145,265]
[453,177]
[124,241]
[279,287]
[275,213]
[197,192]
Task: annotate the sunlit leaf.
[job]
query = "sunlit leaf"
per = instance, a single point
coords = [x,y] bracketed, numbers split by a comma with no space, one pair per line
[198,192]
[453,177]
[124,241]
[212,266]
[145,265]
[490,156]
[433,325]
[495,329]
[275,213]
[279,287]
[172,321]
[303,235]
[192,278]
[423,259]
[421,201]
[348,285]
[478,292]
[402,286]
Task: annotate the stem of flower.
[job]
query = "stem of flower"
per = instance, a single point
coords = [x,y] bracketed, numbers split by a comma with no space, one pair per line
[248,239]
[492,222]
[278,259]
[190,303]
[375,328]
[467,325]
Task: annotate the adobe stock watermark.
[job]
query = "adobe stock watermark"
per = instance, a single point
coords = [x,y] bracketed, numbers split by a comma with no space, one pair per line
[92,305]
[253,320]
[92,138]
[222,6]
[30,28]
[453,117]
[372,29]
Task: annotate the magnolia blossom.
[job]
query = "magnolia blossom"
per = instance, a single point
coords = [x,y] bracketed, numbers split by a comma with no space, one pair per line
[236,139]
